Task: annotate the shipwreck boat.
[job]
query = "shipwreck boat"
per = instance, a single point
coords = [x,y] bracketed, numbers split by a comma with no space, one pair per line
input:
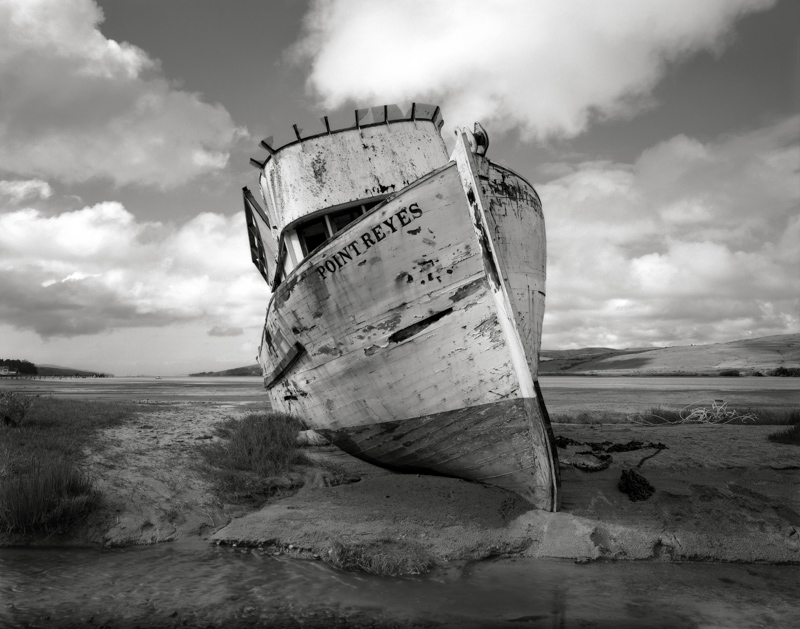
[408,291]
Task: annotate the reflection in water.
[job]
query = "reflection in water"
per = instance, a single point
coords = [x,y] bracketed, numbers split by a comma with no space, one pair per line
[194,584]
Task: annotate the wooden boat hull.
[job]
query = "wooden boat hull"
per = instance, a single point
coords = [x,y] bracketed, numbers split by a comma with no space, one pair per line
[411,338]
[495,443]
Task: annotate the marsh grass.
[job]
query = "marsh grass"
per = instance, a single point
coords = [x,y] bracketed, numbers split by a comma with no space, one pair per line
[49,496]
[589,417]
[42,487]
[384,557]
[791,435]
[715,413]
[662,415]
[255,459]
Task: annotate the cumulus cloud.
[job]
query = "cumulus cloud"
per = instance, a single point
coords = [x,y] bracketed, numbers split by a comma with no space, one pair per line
[77,106]
[99,268]
[694,242]
[22,190]
[219,330]
[547,66]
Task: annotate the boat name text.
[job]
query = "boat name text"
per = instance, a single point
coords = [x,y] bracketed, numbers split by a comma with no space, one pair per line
[404,216]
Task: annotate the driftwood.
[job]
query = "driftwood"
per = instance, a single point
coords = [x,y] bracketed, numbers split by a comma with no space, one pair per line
[718,413]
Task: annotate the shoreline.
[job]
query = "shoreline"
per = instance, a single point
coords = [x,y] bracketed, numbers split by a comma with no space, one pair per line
[717,499]
[722,493]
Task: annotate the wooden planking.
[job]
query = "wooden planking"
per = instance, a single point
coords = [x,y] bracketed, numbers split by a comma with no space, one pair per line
[491,443]
[514,217]
[352,374]
[471,170]
[423,313]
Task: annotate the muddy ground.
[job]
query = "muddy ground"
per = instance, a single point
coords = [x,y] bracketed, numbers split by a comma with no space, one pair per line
[721,493]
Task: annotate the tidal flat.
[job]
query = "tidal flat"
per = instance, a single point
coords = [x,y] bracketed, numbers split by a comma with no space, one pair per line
[722,494]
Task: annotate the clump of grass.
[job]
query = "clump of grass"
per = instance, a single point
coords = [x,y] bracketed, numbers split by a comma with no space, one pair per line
[589,417]
[255,459]
[42,487]
[13,407]
[384,557]
[45,497]
[791,435]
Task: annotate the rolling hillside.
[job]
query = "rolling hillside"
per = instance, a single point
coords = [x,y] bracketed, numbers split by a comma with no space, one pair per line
[747,356]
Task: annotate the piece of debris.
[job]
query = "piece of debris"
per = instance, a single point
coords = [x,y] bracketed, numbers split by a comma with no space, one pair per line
[635,485]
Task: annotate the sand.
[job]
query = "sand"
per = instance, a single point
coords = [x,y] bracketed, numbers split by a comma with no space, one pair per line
[722,493]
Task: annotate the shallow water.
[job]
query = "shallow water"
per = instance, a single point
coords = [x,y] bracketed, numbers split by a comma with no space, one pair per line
[561,393]
[195,584]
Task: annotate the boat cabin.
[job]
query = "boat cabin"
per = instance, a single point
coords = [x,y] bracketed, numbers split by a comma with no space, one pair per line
[315,187]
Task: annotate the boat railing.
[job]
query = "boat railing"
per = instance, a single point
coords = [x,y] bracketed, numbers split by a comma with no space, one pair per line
[364,118]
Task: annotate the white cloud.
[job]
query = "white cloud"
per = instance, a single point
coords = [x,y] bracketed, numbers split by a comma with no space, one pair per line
[545,66]
[692,243]
[21,190]
[99,269]
[77,106]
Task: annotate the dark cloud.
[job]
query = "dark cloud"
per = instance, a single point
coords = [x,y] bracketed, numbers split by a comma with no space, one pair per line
[70,308]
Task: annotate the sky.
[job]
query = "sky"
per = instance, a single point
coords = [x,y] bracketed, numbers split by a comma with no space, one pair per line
[662,137]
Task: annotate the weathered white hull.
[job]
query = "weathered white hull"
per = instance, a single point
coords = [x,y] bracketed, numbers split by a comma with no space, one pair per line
[411,338]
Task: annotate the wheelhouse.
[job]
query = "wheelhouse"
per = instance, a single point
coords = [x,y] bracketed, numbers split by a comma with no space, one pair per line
[314,188]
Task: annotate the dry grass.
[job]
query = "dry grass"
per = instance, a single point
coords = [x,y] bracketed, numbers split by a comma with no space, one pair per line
[696,413]
[589,417]
[714,412]
[791,435]
[384,557]
[48,496]
[710,411]
[255,458]
[42,487]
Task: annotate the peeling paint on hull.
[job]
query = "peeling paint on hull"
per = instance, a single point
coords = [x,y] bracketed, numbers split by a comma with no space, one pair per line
[419,326]
[492,443]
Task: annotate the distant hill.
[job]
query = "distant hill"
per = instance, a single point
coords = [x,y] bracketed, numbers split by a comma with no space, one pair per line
[746,356]
[55,370]
[252,370]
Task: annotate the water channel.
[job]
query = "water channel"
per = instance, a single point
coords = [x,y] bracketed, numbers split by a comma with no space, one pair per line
[195,584]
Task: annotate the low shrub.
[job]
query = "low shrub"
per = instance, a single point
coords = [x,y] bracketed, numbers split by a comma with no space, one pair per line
[786,372]
[255,458]
[730,373]
[13,407]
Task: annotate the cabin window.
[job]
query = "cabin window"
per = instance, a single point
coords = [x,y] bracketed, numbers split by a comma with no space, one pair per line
[316,232]
[340,220]
[313,234]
